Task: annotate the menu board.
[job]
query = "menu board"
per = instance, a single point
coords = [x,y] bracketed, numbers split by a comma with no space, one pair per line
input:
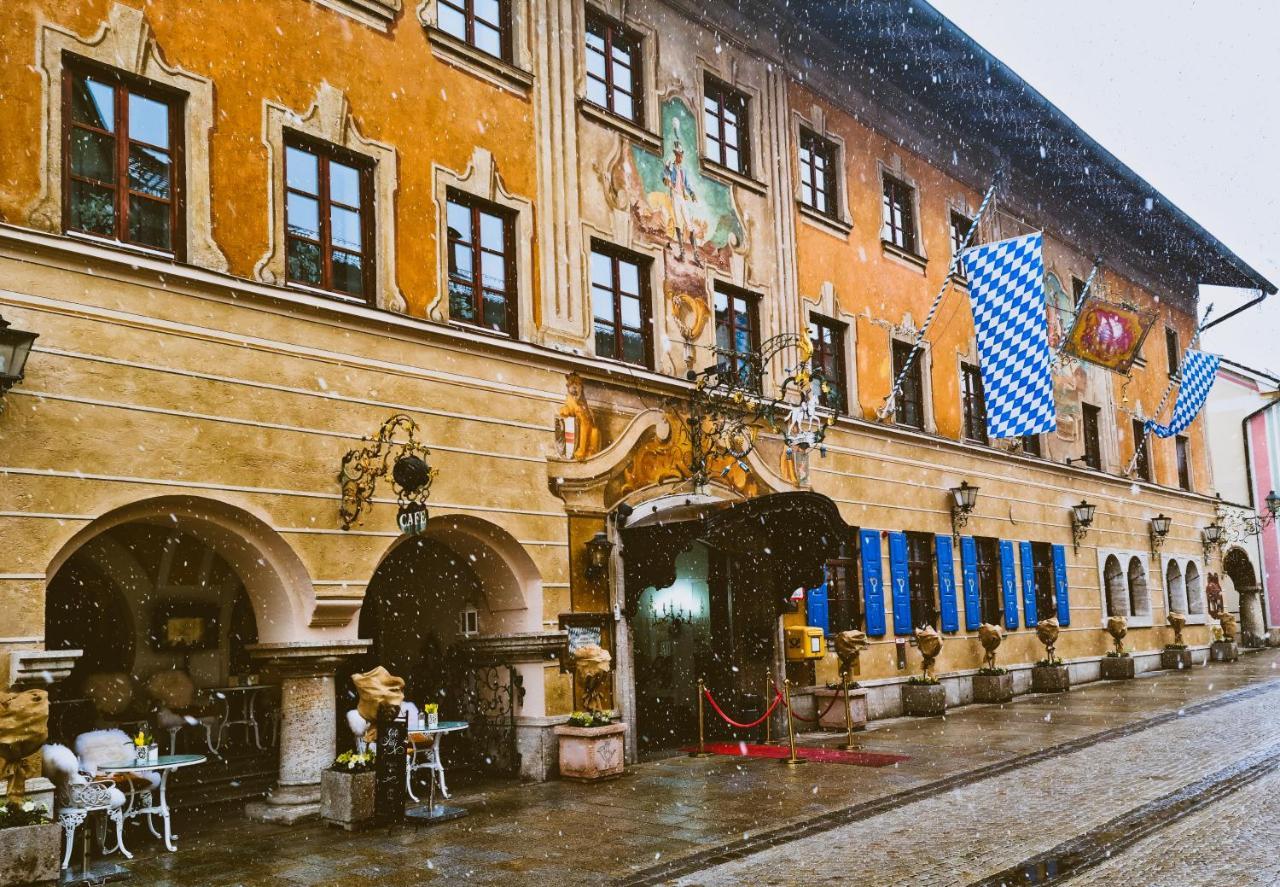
[389,789]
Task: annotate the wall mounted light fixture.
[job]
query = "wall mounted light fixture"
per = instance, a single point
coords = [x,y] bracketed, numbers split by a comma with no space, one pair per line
[1159,530]
[963,500]
[15,347]
[1081,521]
[598,550]
[1212,537]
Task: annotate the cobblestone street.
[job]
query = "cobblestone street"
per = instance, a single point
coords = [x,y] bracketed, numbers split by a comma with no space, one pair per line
[983,792]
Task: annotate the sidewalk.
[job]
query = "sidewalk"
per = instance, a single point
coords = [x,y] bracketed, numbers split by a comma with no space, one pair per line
[703,809]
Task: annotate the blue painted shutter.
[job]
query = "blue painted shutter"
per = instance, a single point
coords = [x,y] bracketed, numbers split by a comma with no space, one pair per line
[969,570]
[1060,585]
[901,583]
[1028,584]
[947,585]
[872,581]
[1009,585]
[816,608]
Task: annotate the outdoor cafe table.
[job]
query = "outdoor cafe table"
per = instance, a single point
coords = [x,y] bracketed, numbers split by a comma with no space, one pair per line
[434,812]
[164,765]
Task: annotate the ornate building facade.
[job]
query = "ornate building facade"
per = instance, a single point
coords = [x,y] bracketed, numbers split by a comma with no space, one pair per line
[248,234]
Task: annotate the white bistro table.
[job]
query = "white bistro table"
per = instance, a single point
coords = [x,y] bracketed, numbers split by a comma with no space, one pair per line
[434,812]
[164,765]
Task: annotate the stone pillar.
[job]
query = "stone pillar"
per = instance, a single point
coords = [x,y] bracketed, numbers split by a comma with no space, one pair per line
[1253,631]
[308,735]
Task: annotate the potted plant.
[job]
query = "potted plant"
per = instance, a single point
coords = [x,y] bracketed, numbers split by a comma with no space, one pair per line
[29,841]
[1117,665]
[591,745]
[852,715]
[346,790]
[923,695]
[1224,648]
[145,748]
[991,684]
[431,711]
[1050,674]
[1176,655]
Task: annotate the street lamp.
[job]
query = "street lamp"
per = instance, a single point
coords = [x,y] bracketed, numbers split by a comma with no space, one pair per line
[1159,530]
[15,346]
[1211,536]
[963,499]
[598,550]
[1081,520]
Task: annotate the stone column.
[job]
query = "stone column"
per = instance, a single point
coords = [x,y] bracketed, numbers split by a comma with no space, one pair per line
[308,735]
[1252,628]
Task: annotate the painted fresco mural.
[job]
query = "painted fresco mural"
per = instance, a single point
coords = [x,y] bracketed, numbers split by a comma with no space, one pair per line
[691,216]
[1069,377]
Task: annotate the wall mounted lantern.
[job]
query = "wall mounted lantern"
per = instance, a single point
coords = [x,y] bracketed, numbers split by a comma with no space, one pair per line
[1255,524]
[598,550]
[1081,521]
[963,499]
[1212,537]
[1159,530]
[15,346]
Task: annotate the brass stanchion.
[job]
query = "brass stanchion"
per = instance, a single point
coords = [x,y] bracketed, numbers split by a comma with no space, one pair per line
[702,723]
[768,701]
[794,760]
[848,715]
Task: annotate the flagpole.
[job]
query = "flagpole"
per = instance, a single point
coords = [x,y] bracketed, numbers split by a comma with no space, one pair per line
[888,405]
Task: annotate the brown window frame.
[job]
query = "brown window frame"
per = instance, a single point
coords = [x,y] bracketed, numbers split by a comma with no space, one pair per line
[818,146]
[1173,352]
[1042,570]
[990,585]
[123,83]
[731,360]
[1142,466]
[467,8]
[1182,455]
[325,154]
[844,594]
[617,255]
[511,291]
[922,580]
[1032,445]
[973,396]
[715,145]
[912,392]
[899,194]
[615,33]
[1091,432]
[828,357]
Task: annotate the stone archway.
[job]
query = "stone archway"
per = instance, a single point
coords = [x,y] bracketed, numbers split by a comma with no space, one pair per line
[1244,579]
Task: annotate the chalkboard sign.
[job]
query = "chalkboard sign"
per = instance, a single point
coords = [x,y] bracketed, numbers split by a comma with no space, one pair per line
[389,790]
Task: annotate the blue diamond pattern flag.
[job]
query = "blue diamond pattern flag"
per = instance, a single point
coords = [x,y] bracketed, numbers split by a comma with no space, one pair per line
[1006,290]
[1198,372]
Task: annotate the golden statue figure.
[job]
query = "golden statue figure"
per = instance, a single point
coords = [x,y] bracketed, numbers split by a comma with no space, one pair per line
[591,666]
[1177,620]
[1118,627]
[1047,631]
[930,644]
[1229,625]
[990,636]
[586,436]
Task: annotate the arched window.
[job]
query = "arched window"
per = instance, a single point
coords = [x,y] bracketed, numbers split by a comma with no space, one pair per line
[1176,588]
[1139,596]
[1195,591]
[1117,594]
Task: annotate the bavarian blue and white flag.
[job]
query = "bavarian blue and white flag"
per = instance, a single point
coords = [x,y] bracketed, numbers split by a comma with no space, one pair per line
[1006,290]
[1198,373]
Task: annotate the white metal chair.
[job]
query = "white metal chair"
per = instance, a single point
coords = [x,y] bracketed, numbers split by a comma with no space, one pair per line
[422,750]
[78,795]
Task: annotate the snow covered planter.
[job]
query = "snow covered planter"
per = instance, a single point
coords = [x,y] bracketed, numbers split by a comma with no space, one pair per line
[346,791]
[29,845]
[591,747]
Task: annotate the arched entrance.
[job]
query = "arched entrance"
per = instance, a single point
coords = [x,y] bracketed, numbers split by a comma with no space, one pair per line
[1244,579]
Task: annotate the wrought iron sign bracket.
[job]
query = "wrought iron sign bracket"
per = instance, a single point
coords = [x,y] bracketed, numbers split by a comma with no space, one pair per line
[394,450]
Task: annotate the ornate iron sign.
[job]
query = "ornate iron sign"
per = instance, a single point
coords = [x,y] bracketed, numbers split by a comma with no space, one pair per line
[394,450]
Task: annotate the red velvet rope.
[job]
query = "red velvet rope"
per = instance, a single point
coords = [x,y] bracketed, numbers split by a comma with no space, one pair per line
[800,717]
[731,722]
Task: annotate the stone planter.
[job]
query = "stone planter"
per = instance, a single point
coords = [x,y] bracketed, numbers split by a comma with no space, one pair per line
[924,700]
[346,799]
[1118,668]
[30,854]
[993,688]
[1050,679]
[1224,651]
[590,753]
[1175,659]
[833,719]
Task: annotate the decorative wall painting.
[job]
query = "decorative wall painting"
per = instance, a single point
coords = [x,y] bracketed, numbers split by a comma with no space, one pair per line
[1109,335]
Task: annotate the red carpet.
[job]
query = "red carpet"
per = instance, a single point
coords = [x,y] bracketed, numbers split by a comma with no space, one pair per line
[809,753]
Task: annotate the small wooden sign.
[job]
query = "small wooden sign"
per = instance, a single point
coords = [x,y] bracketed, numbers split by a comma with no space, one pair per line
[389,788]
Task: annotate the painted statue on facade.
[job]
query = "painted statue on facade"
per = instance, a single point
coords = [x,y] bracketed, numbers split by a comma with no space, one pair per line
[689,215]
[576,431]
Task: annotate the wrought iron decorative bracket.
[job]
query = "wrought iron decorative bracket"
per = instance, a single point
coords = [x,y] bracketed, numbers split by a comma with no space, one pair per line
[393,450]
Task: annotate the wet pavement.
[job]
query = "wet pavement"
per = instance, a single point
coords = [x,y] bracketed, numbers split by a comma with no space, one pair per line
[986,793]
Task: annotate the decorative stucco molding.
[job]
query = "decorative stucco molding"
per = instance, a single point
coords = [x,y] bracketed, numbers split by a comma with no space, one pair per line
[329,119]
[125,42]
[378,14]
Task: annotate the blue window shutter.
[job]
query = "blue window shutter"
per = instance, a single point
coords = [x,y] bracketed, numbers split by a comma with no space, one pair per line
[872,581]
[816,608]
[1009,585]
[1060,585]
[969,570]
[901,583]
[947,585]
[1028,584]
